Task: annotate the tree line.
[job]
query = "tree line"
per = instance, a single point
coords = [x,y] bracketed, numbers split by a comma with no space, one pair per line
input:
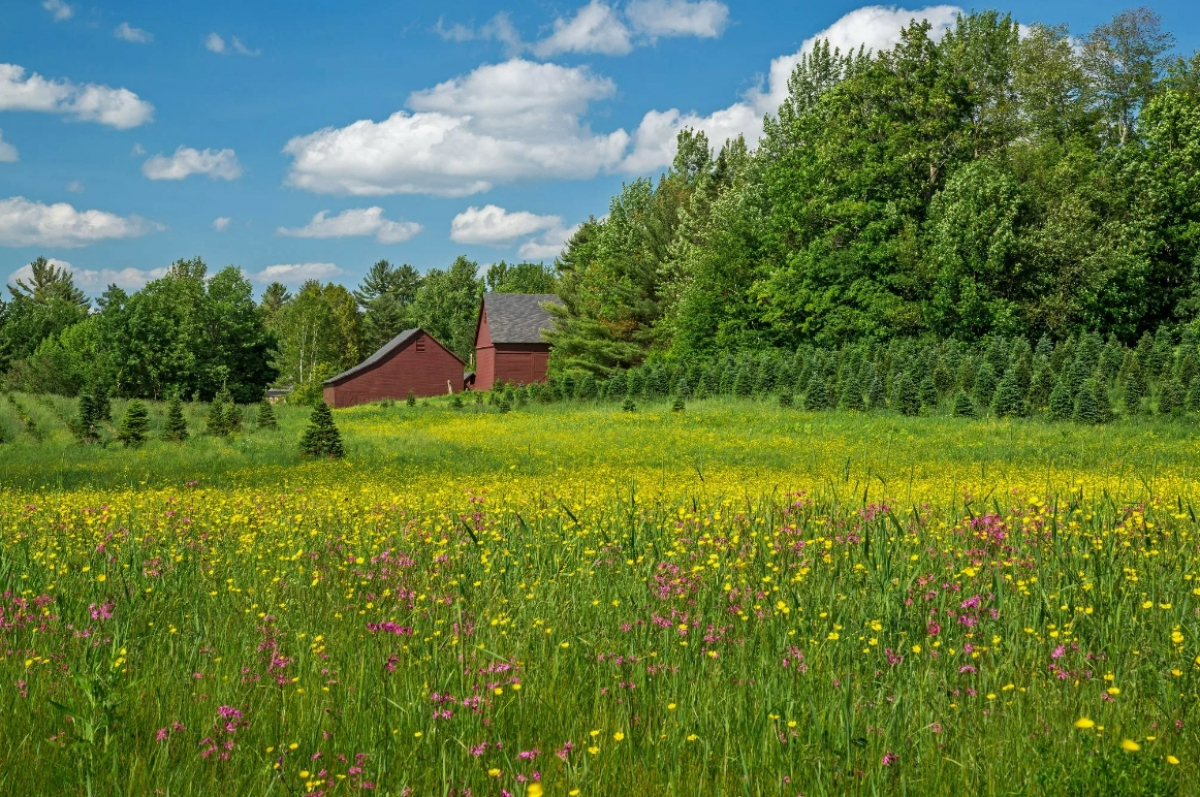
[991,181]
[199,336]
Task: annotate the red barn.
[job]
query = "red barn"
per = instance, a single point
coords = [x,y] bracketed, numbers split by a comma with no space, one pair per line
[508,338]
[413,360]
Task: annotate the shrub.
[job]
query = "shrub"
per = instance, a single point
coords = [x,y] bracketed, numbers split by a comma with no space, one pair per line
[678,406]
[175,428]
[963,406]
[321,438]
[786,400]
[412,399]
[629,406]
[135,425]
[266,416]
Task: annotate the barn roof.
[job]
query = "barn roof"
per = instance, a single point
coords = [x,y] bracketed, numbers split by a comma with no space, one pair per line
[385,351]
[518,317]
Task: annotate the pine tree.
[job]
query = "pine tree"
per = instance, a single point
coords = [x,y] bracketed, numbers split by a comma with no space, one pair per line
[175,428]
[411,401]
[214,420]
[908,396]
[233,417]
[1171,397]
[1192,401]
[1008,400]
[683,388]
[321,438]
[852,395]
[985,385]
[1087,407]
[616,387]
[1041,385]
[786,400]
[1061,406]
[743,385]
[678,406]
[585,387]
[816,397]
[266,416]
[135,424]
[87,423]
[877,393]
[102,403]
[1135,387]
[963,407]
[927,390]
[629,406]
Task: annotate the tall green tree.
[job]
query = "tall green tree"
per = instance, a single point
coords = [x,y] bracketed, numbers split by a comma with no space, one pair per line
[447,306]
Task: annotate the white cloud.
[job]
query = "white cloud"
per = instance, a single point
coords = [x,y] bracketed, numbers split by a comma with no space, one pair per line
[549,244]
[221,223]
[217,164]
[355,222]
[59,9]
[215,44]
[96,281]
[498,124]
[295,273]
[495,225]
[131,34]
[875,27]
[137,150]
[27,223]
[456,32]
[75,187]
[595,28]
[8,153]
[705,19]
[499,28]
[119,108]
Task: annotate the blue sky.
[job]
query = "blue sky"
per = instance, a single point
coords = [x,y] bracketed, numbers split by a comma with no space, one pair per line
[311,139]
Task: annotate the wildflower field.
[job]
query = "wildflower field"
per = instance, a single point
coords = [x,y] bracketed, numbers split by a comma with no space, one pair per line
[736,599]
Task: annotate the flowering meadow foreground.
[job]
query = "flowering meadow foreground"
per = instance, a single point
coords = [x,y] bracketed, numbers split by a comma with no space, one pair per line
[736,600]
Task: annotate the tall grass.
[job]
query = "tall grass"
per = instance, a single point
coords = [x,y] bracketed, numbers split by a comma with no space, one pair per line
[736,599]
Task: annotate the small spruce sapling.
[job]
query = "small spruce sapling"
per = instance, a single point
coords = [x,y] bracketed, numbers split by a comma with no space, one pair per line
[175,428]
[321,438]
[266,417]
[963,406]
[135,424]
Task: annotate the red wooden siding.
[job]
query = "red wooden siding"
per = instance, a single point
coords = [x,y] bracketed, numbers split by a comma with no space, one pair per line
[523,363]
[422,365]
[485,355]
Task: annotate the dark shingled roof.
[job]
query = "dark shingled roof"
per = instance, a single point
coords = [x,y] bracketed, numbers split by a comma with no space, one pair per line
[518,317]
[395,344]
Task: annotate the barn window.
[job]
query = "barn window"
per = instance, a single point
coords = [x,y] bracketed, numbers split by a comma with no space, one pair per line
[420,347]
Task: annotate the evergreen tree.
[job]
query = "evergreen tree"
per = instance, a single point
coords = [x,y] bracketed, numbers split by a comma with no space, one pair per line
[743,384]
[928,393]
[679,405]
[1171,397]
[215,421]
[585,387]
[1061,405]
[411,401]
[1193,395]
[816,397]
[877,393]
[233,417]
[102,403]
[683,388]
[1135,386]
[175,429]
[1008,400]
[457,401]
[852,395]
[786,400]
[1040,386]
[629,406]
[908,396]
[985,385]
[321,438]
[616,387]
[1087,407]
[86,424]
[135,424]
[963,407]
[266,416]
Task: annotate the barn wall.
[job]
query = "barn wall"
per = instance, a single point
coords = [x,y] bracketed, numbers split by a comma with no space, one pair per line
[425,373]
[485,355]
[522,362]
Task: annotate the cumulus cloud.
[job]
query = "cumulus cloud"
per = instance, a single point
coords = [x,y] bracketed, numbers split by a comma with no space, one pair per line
[875,27]
[27,223]
[355,222]
[654,18]
[75,187]
[498,124]
[119,108]
[131,34]
[95,281]
[499,28]
[221,223]
[495,225]
[549,244]
[8,153]
[595,28]
[59,9]
[295,273]
[216,44]
[217,164]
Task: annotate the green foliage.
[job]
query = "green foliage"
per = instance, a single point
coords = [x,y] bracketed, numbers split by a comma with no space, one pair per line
[266,420]
[1062,406]
[908,396]
[216,420]
[135,424]
[175,428]
[1008,400]
[86,424]
[963,406]
[628,405]
[321,438]
[385,296]
[520,278]
[447,306]
[816,395]
[679,405]
[1087,406]
[411,400]
[786,400]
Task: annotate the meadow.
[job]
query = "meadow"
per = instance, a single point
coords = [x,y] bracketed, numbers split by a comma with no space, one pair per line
[569,599]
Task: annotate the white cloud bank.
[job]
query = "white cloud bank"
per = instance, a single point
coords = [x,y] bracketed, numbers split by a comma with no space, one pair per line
[595,28]
[522,120]
[128,33]
[549,244]
[492,225]
[93,281]
[355,222]
[8,153]
[295,273]
[27,223]
[119,108]
[500,123]
[216,164]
